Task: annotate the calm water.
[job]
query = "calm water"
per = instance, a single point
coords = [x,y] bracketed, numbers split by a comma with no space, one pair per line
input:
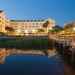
[32,65]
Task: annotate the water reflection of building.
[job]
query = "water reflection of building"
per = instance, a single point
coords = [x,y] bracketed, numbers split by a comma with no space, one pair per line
[24,26]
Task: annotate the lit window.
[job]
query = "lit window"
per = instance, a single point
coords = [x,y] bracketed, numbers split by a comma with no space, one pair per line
[18,30]
[74,28]
[26,31]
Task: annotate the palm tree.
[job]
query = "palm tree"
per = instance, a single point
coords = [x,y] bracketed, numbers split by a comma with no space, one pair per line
[45,25]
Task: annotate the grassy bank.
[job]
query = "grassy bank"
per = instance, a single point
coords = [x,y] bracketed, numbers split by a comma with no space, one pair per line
[25,43]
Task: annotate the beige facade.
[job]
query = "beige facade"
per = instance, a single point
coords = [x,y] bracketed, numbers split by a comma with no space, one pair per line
[24,26]
[30,26]
[3,21]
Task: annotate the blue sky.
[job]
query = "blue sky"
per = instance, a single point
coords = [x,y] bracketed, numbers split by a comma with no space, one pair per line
[60,10]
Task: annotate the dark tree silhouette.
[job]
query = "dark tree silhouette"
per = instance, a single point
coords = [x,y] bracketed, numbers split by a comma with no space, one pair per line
[45,25]
[9,29]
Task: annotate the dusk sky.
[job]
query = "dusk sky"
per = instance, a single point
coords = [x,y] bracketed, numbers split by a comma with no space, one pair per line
[61,11]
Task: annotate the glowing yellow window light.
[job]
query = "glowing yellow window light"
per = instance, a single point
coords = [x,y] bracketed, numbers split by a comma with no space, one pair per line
[18,31]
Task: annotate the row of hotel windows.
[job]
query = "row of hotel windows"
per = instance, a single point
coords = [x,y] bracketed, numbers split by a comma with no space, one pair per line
[26,23]
[27,26]
[28,20]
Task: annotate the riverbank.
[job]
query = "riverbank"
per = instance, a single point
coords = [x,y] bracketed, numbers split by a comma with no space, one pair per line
[25,52]
[8,51]
[5,52]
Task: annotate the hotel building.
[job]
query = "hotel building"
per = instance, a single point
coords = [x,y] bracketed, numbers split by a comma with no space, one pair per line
[24,26]
[3,21]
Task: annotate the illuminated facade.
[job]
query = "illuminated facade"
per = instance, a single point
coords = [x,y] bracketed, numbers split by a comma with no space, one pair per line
[3,21]
[24,26]
[29,26]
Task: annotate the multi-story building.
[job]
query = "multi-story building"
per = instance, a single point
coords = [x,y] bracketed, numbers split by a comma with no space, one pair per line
[30,26]
[3,21]
[24,26]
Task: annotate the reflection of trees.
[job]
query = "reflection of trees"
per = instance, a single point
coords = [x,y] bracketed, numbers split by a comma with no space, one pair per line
[45,25]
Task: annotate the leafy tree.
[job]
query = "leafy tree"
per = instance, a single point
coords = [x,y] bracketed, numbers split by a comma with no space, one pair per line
[57,28]
[45,25]
[40,30]
[9,29]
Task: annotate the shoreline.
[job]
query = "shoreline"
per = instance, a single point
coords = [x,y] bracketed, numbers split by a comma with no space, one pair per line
[52,53]
[7,52]
[4,53]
